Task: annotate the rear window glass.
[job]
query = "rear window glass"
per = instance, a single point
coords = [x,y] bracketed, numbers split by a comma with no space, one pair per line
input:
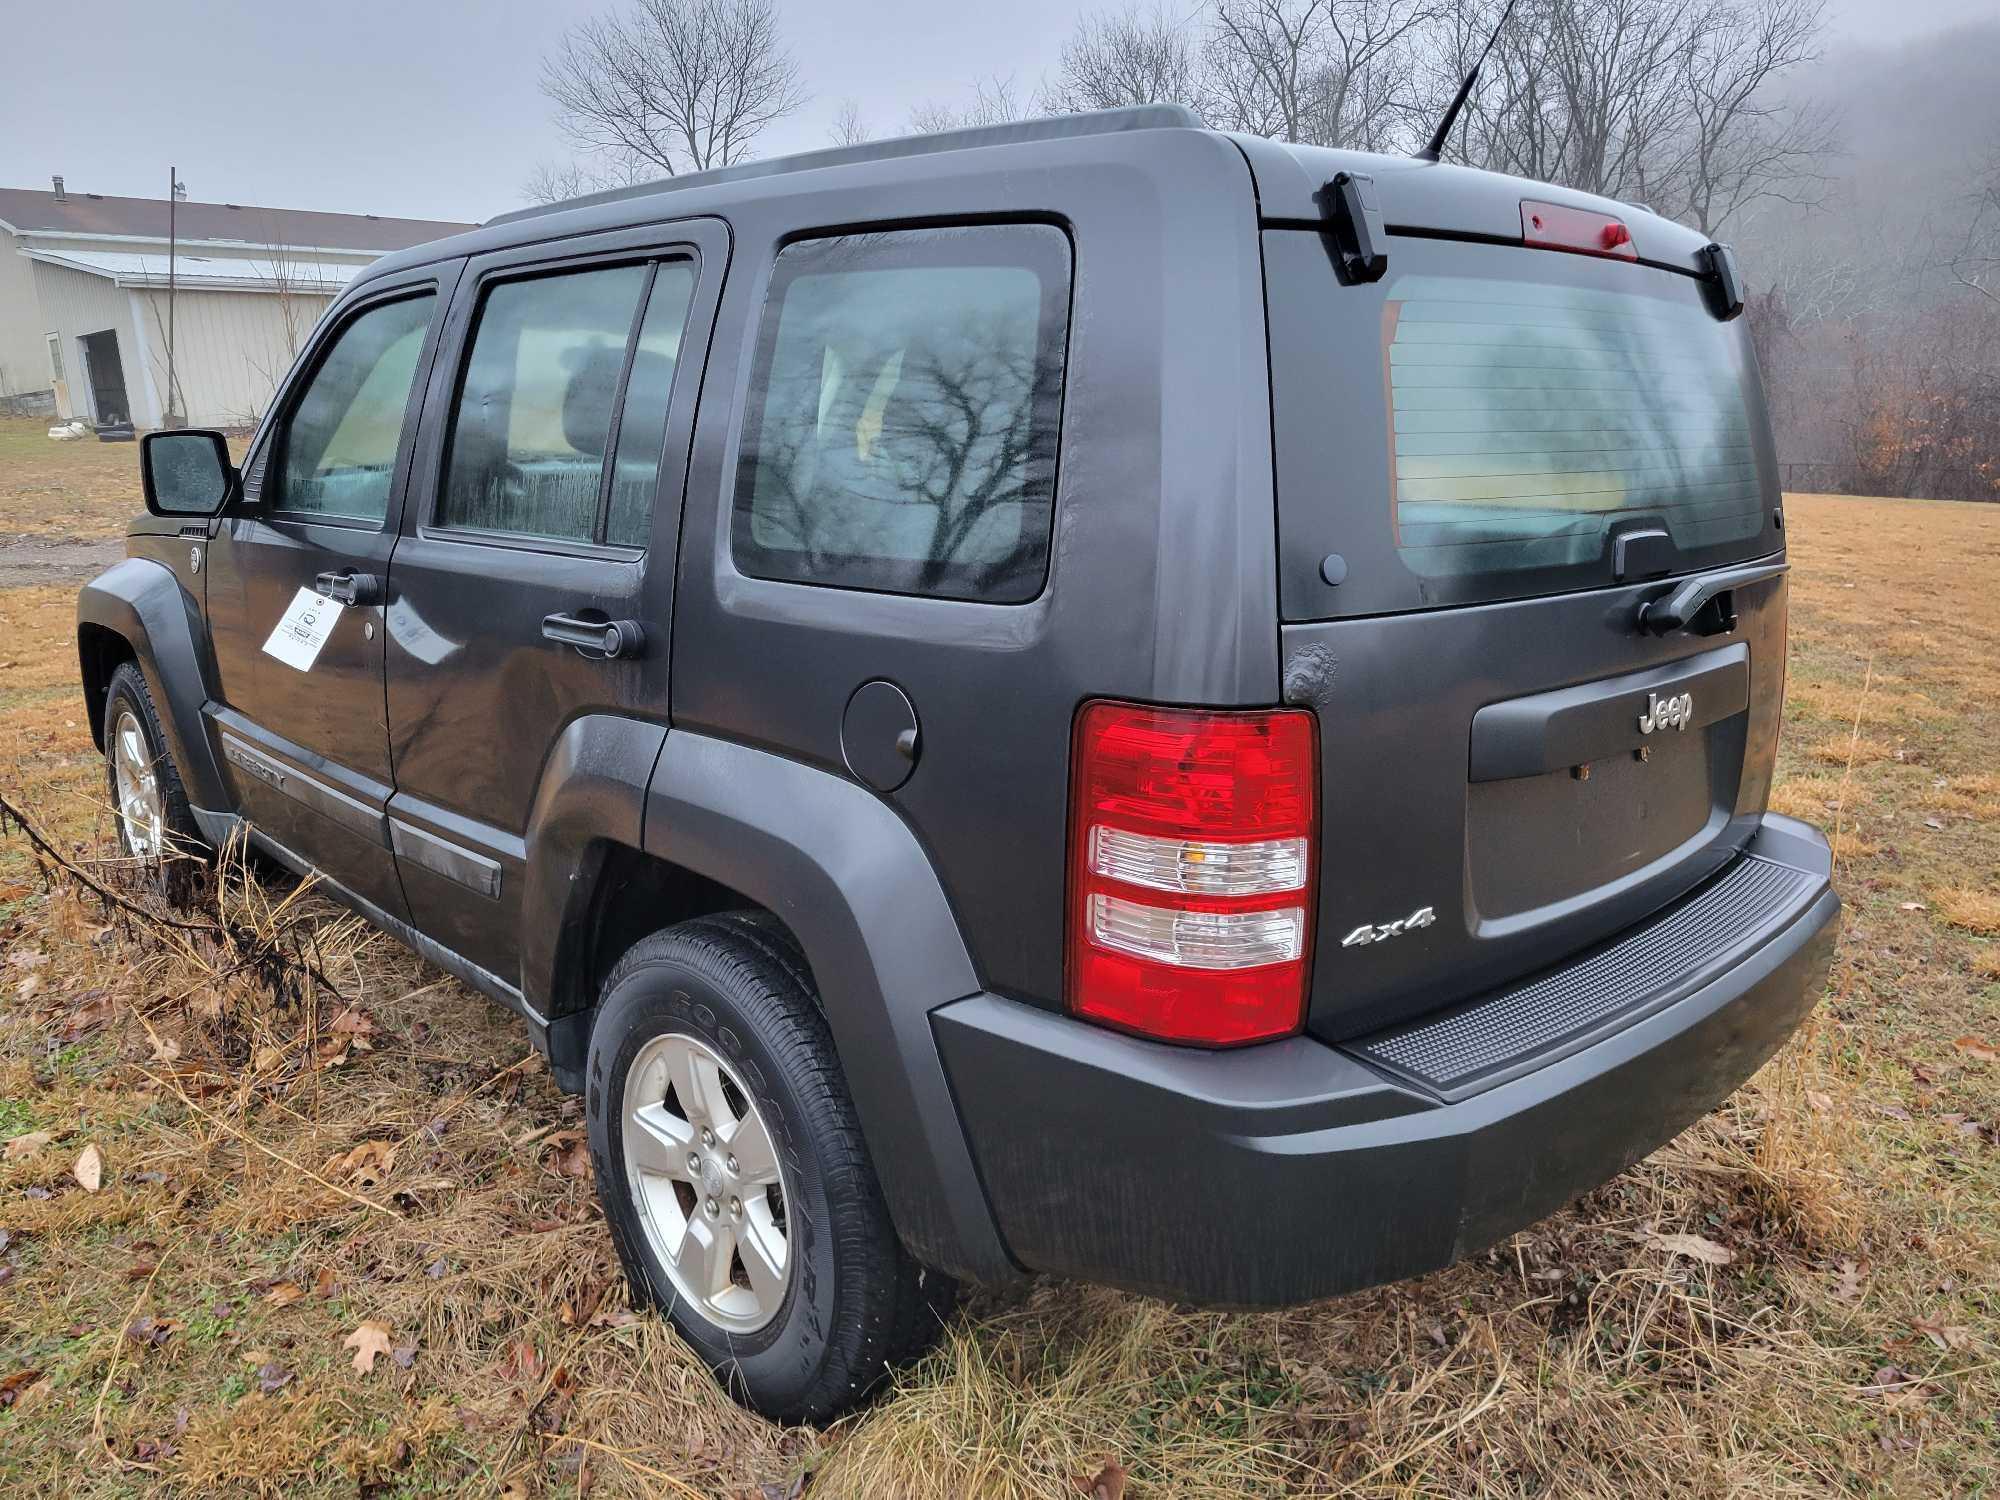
[1526,416]
[1484,421]
[903,416]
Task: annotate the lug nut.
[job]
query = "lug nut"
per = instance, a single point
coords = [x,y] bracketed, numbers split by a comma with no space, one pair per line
[732,1166]
[707,1136]
[712,1209]
[694,1163]
[736,1208]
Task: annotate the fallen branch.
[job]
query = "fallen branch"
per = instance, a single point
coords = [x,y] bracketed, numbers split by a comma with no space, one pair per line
[254,951]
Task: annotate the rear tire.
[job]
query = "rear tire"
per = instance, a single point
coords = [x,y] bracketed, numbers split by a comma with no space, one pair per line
[781,1269]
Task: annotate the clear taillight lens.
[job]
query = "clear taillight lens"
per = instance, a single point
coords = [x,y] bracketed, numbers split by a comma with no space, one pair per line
[1200,866]
[1191,870]
[1198,939]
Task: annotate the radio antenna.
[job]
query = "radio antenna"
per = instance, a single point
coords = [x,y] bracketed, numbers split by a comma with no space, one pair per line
[1438,137]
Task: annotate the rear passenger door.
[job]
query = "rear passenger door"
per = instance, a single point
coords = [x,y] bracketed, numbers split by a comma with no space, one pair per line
[545,507]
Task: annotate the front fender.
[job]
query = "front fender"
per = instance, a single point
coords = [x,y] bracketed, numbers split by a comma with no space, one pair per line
[853,884]
[142,603]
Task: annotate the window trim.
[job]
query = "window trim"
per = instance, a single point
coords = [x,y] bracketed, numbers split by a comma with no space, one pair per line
[308,371]
[750,411]
[651,258]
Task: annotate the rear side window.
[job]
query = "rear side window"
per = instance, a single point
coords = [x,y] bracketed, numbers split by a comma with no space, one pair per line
[903,420]
[534,423]
[339,443]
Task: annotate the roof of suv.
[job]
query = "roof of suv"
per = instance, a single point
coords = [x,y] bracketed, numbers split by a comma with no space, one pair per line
[1428,197]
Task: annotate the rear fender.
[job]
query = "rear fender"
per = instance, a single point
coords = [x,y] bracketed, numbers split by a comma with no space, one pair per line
[850,880]
[142,604]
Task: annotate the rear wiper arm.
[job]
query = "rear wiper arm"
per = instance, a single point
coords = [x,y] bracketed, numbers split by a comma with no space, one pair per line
[1684,607]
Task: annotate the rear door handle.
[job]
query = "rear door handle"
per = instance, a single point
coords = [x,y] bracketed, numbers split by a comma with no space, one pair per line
[350,588]
[609,640]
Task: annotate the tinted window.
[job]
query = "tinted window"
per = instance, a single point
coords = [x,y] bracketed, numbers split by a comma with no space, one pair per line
[903,419]
[642,430]
[1528,416]
[1483,422]
[535,405]
[339,445]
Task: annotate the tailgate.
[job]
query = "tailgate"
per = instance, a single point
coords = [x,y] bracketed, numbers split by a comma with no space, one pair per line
[1489,462]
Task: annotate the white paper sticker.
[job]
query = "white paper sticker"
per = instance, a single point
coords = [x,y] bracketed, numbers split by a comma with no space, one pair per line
[303,629]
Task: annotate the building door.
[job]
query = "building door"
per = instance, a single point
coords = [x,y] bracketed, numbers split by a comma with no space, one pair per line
[58,380]
[107,377]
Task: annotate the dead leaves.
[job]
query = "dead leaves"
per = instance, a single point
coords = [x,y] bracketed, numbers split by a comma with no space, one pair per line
[367,1166]
[13,1385]
[1693,1247]
[284,1294]
[567,1153]
[89,1169]
[1108,1483]
[1946,1336]
[22,1146]
[369,1340]
[1978,1049]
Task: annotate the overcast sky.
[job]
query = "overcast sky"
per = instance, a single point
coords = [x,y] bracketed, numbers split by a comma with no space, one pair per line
[429,108]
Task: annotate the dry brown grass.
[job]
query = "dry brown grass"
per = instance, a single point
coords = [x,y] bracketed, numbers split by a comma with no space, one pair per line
[67,490]
[1848,1345]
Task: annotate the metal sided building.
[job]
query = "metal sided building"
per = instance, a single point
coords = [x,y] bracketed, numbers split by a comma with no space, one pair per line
[85,308]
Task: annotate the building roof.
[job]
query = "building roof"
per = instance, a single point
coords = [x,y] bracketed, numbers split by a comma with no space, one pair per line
[196,271]
[38,211]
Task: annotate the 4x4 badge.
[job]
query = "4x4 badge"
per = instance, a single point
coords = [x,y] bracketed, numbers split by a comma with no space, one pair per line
[1676,712]
[1369,932]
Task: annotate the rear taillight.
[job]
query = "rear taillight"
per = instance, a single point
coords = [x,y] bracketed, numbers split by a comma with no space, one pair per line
[1551,226]
[1191,871]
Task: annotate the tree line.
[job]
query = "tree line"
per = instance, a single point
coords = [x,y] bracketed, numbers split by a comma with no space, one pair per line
[1693,108]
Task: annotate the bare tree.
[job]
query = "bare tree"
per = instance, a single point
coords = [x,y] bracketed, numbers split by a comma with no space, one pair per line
[848,128]
[1742,144]
[1974,263]
[1130,57]
[555,182]
[994,102]
[682,84]
[1660,102]
[1323,72]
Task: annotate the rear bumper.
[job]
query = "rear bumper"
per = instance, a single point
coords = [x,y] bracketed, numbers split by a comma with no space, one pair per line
[1295,1170]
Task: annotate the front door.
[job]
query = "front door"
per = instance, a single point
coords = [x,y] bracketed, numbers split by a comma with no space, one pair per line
[545,504]
[107,377]
[297,581]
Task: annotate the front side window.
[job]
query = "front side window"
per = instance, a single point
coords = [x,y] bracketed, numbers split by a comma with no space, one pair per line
[339,444]
[535,407]
[903,418]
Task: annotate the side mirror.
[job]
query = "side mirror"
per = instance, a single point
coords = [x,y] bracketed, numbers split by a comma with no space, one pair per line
[186,473]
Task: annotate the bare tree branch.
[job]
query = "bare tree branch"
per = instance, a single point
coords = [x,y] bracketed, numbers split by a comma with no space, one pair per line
[1130,57]
[683,85]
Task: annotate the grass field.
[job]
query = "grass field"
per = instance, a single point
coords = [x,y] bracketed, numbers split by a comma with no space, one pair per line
[213,1206]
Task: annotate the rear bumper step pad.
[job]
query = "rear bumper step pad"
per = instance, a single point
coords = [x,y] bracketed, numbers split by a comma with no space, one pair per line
[1501,1035]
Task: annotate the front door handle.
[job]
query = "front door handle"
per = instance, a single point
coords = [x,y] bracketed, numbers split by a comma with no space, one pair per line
[610,640]
[350,588]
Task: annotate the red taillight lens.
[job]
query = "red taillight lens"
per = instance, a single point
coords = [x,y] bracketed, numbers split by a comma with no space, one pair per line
[1191,870]
[1554,227]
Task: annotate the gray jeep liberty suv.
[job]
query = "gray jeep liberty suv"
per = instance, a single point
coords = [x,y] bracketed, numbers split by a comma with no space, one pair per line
[1093,698]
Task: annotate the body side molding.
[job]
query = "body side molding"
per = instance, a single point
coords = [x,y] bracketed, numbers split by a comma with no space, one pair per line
[851,881]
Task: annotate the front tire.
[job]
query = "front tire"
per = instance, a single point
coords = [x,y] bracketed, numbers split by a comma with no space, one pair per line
[146,792]
[731,1166]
